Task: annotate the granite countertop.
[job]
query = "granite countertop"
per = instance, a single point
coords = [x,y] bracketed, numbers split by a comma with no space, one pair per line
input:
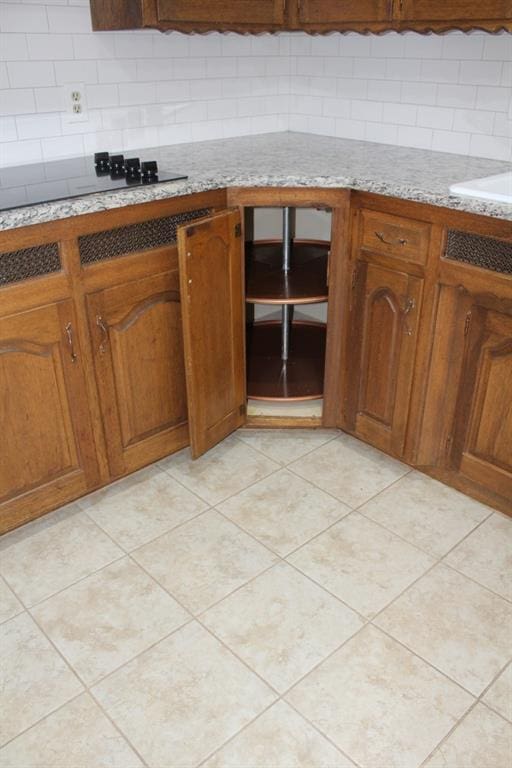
[292,160]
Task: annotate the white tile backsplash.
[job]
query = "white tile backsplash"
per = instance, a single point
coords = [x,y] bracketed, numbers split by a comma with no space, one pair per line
[449,92]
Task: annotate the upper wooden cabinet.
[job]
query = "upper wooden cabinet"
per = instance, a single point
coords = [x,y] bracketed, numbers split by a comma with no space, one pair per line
[189,15]
[307,15]
[454,10]
[264,12]
[314,12]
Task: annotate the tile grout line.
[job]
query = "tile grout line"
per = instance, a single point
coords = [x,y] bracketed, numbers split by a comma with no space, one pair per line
[474,581]
[42,719]
[417,546]
[425,661]
[324,735]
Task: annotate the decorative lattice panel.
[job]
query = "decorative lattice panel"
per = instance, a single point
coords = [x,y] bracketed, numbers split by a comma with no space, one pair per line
[134,237]
[485,252]
[26,263]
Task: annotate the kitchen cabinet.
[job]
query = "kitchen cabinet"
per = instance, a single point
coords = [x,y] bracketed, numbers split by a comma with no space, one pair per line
[264,12]
[211,276]
[481,445]
[462,11]
[123,337]
[383,338]
[307,15]
[136,336]
[47,454]
[189,15]
[343,12]
[389,257]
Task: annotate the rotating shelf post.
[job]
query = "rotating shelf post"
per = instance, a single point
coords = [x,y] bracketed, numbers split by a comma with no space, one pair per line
[286,357]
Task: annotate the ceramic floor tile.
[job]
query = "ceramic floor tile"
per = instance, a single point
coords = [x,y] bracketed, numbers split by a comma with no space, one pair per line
[457,625]
[361,563]
[142,507]
[426,513]
[50,554]
[380,704]
[286,445]
[482,740]
[76,736]
[283,511]
[486,555]
[225,470]
[108,618]
[204,560]
[499,695]
[193,693]
[9,605]
[34,680]
[279,738]
[282,625]
[350,470]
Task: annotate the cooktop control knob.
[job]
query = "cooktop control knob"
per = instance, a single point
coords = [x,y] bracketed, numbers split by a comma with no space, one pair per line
[149,170]
[117,165]
[132,166]
[102,162]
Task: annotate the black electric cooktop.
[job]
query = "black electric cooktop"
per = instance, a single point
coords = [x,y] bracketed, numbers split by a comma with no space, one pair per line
[60,179]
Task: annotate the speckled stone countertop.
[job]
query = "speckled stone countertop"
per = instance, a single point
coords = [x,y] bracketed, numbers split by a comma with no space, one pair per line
[291,160]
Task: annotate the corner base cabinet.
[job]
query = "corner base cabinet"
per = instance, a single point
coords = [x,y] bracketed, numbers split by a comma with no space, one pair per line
[129,334]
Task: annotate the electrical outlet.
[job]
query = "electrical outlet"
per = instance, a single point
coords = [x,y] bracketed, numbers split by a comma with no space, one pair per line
[76,108]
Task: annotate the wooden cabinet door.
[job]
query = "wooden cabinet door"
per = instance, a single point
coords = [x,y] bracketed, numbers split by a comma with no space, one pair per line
[47,453]
[482,441]
[382,338]
[341,11]
[455,10]
[221,12]
[212,289]
[138,353]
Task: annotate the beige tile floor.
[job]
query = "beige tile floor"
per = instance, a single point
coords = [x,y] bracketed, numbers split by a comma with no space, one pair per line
[293,599]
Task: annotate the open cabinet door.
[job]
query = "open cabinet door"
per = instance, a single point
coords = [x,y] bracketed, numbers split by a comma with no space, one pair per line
[212,304]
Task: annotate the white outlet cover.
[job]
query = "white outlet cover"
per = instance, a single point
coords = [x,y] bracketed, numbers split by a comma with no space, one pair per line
[70,116]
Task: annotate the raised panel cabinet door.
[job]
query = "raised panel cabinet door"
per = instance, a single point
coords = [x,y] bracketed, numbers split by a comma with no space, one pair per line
[382,336]
[138,354]
[47,454]
[340,11]
[456,10]
[212,289]
[221,12]
[482,447]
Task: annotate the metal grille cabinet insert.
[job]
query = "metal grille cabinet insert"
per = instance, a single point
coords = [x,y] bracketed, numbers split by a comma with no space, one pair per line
[480,251]
[27,263]
[135,237]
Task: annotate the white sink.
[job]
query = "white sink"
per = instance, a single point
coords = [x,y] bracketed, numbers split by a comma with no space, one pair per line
[497,188]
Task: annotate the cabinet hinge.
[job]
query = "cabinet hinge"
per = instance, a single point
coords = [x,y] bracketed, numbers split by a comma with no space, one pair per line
[467,323]
[238,230]
[243,409]
[448,445]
